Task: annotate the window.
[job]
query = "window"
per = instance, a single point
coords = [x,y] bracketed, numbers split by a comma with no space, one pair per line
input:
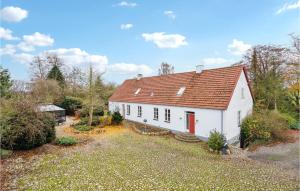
[155,113]
[139,111]
[137,91]
[167,115]
[180,91]
[128,110]
[239,118]
[117,109]
[243,94]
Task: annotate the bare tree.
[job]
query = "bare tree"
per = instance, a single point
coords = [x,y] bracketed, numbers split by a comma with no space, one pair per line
[91,95]
[41,65]
[54,60]
[296,42]
[292,73]
[46,91]
[39,68]
[267,66]
[75,79]
[165,69]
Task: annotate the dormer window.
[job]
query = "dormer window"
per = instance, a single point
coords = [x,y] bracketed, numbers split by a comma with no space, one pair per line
[137,91]
[180,91]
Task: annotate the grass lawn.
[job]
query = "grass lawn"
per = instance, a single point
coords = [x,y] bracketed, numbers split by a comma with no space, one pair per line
[134,162]
[5,153]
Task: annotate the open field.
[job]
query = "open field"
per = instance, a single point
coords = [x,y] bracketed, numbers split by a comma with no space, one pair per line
[125,160]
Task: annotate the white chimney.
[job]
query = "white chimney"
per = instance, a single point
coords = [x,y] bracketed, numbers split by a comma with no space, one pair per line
[139,76]
[199,68]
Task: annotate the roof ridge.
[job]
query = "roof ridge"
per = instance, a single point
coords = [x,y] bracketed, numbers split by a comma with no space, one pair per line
[232,66]
[203,90]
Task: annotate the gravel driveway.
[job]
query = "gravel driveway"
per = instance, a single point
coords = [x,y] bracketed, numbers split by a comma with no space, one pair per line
[287,155]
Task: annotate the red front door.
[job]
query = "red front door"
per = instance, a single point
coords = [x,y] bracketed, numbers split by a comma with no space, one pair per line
[191,118]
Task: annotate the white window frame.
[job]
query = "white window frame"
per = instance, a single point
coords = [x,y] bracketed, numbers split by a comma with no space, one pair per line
[155,110]
[128,110]
[167,115]
[243,93]
[139,111]
[239,119]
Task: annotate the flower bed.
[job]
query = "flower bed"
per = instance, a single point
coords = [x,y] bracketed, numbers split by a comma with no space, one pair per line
[145,129]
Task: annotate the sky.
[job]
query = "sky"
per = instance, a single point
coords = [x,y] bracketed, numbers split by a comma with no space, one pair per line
[124,38]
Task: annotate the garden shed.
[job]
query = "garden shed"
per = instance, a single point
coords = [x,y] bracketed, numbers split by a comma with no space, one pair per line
[58,112]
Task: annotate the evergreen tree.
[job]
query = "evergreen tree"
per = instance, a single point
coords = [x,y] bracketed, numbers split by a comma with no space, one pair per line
[56,74]
[5,82]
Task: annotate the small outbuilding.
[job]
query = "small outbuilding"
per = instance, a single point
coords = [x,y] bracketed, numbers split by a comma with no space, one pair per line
[58,112]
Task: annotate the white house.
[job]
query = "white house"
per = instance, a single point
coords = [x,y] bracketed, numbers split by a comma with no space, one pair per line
[196,102]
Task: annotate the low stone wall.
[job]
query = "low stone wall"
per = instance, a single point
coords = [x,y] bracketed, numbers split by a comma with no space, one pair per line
[153,131]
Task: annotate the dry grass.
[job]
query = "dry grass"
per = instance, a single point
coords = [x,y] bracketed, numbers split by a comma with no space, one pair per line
[123,160]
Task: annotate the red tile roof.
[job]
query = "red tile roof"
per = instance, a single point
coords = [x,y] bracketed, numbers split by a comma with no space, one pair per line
[209,89]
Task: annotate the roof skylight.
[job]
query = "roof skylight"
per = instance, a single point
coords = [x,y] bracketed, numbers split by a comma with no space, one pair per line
[180,91]
[137,91]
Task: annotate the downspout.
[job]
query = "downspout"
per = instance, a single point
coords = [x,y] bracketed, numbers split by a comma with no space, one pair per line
[222,121]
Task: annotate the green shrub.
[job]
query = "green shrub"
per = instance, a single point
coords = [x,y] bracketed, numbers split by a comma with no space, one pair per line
[49,128]
[70,104]
[252,129]
[84,121]
[216,140]
[264,126]
[25,129]
[116,118]
[83,127]
[98,111]
[105,120]
[66,141]
[296,126]
[293,123]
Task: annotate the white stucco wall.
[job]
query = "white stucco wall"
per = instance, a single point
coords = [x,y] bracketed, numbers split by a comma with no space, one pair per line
[205,119]
[231,128]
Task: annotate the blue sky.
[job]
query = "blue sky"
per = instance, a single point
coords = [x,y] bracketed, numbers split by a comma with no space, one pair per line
[124,38]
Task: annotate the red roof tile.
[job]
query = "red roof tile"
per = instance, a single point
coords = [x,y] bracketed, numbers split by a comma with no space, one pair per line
[209,89]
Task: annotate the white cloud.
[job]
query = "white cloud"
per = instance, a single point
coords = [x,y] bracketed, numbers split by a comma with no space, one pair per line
[25,47]
[215,61]
[23,58]
[38,39]
[238,47]
[13,14]
[162,40]
[6,34]
[78,57]
[289,6]
[8,49]
[170,14]
[126,26]
[129,69]
[126,4]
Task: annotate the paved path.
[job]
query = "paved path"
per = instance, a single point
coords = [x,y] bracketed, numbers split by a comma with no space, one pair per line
[60,128]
